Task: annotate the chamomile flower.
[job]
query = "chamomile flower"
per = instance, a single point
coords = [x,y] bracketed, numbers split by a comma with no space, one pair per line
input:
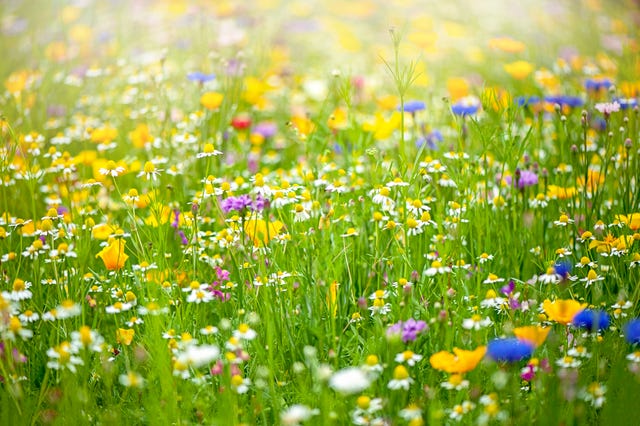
[244,332]
[493,278]
[563,220]
[592,277]
[118,307]
[131,380]
[476,322]
[579,352]
[459,410]
[208,151]
[568,362]
[594,394]
[409,357]
[20,290]
[111,169]
[63,357]
[484,258]
[401,378]
[437,268]
[351,232]
[585,261]
[455,382]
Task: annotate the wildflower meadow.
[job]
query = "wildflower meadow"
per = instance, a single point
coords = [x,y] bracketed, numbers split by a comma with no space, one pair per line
[305,212]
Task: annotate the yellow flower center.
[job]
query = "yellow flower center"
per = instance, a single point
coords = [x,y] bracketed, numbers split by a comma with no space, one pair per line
[236,380]
[363,402]
[455,379]
[19,285]
[400,373]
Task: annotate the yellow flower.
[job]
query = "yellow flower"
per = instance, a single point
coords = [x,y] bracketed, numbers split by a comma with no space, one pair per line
[632,220]
[104,134]
[562,311]
[507,44]
[338,119]
[532,334]
[211,100]
[262,232]
[519,69]
[140,137]
[113,255]
[382,128]
[560,193]
[304,126]
[460,361]
[457,87]
[124,336]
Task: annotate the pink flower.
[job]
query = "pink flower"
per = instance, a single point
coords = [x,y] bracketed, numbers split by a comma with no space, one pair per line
[607,108]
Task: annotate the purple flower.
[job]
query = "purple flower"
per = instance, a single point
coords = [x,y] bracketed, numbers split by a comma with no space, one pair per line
[222,274]
[527,178]
[508,289]
[176,218]
[408,330]
[242,202]
[183,238]
[266,128]
[411,328]
[394,330]
[237,203]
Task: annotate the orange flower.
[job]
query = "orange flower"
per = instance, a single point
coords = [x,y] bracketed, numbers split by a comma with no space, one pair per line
[532,334]
[562,311]
[113,255]
[460,361]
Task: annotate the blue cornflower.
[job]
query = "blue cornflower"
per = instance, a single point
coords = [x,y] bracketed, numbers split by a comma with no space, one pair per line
[509,350]
[526,101]
[627,103]
[563,268]
[632,331]
[413,106]
[597,84]
[468,105]
[200,77]
[590,319]
[565,100]
[431,139]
